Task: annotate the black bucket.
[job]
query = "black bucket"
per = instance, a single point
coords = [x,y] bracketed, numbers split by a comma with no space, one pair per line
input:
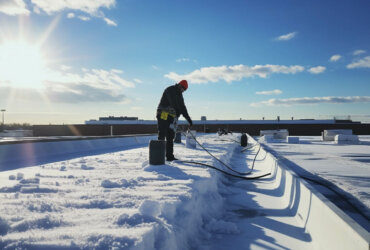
[157,152]
[244,140]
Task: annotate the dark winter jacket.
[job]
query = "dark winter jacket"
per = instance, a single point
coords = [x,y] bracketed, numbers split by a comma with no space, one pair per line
[172,100]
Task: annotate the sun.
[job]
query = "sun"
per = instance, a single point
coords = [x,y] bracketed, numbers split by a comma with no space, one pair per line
[21,64]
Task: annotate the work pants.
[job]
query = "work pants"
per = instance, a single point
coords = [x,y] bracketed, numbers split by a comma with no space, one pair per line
[165,132]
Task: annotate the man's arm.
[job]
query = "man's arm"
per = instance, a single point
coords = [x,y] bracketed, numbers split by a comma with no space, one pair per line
[183,110]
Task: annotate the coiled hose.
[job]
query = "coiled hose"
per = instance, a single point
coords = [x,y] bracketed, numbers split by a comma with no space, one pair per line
[240,174]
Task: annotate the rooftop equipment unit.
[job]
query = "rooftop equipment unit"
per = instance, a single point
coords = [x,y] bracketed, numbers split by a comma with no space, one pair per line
[329,134]
[277,134]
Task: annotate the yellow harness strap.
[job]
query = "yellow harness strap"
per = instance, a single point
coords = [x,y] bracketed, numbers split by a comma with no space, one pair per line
[164,115]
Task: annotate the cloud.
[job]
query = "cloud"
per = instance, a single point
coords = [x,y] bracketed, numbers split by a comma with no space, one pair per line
[81,92]
[286,37]
[182,60]
[317,70]
[358,52]
[185,59]
[314,100]
[109,22]
[335,58]
[71,15]
[101,79]
[83,18]
[91,85]
[13,7]
[233,73]
[361,63]
[138,80]
[90,7]
[270,92]
[65,67]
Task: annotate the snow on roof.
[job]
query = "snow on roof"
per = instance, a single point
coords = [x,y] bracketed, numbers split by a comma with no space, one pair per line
[110,197]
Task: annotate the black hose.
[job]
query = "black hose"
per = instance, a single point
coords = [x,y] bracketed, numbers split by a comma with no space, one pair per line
[235,141]
[227,166]
[246,148]
[224,172]
[255,157]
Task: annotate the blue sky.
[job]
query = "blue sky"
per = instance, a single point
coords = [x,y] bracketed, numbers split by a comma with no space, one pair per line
[70,61]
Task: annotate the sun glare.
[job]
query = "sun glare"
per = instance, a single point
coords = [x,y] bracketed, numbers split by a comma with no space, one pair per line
[21,64]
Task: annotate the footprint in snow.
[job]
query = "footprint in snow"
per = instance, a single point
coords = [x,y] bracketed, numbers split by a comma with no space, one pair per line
[85,167]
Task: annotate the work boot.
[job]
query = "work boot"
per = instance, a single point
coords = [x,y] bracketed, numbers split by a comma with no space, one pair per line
[171,158]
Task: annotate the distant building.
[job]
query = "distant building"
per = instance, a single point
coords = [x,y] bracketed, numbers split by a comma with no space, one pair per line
[112,120]
[115,120]
[121,118]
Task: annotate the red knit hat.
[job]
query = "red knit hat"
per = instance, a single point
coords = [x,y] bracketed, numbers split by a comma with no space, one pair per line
[184,84]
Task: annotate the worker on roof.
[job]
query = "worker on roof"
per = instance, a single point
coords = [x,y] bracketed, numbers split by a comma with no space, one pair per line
[170,107]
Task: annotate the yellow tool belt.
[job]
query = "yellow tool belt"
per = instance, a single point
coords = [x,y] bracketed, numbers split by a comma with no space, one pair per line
[164,115]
